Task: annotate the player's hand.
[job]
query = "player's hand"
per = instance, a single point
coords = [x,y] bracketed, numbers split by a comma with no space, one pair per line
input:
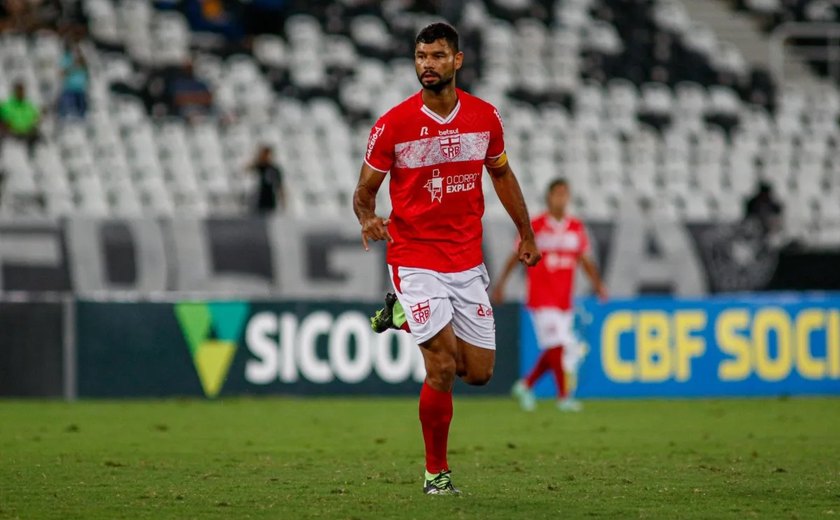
[498,295]
[529,254]
[375,228]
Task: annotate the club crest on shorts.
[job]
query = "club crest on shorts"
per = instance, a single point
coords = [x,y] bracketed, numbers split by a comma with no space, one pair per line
[450,145]
[421,312]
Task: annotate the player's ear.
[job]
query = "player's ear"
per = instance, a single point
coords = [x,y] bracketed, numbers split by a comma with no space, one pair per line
[459,60]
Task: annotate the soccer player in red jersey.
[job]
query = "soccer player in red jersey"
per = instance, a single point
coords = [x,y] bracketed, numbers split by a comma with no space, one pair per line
[563,242]
[435,145]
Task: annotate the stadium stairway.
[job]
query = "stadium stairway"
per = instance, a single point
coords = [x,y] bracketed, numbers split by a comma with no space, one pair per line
[742,31]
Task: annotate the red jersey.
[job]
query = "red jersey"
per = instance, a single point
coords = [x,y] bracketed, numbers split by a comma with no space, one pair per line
[436,165]
[550,283]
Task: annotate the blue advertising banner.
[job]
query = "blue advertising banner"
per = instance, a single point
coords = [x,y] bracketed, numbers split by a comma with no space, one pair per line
[776,344]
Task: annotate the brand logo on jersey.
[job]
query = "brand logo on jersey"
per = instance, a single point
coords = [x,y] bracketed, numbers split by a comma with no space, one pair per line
[421,312]
[450,145]
[484,312]
[424,131]
[435,186]
[374,135]
[567,242]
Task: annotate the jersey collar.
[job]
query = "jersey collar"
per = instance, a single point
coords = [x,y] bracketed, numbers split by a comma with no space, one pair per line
[438,119]
[563,223]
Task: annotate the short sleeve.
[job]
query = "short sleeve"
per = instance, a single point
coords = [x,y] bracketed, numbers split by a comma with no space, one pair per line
[496,148]
[379,154]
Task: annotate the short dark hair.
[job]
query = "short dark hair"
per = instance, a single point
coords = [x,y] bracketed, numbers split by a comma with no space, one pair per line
[435,31]
[560,181]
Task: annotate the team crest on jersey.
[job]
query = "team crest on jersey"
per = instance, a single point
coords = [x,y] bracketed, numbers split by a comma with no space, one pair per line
[450,145]
[435,186]
[421,312]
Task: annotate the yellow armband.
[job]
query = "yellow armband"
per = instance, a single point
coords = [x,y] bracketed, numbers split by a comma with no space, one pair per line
[497,162]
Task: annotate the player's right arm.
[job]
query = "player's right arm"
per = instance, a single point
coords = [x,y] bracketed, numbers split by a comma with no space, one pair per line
[379,158]
[499,290]
[364,205]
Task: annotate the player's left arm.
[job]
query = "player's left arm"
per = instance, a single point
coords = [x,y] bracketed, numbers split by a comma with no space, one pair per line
[591,271]
[510,194]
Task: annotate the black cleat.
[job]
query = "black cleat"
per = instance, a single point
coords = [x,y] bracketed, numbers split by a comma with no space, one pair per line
[384,317]
[440,484]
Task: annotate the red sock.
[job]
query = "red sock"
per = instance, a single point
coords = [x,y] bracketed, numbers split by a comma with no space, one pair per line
[539,369]
[556,361]
[435,416]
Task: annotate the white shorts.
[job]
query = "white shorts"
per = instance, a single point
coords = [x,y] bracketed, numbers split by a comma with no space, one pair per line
[554,328]
[431,300]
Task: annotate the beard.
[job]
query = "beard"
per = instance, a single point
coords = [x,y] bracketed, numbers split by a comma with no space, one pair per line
[438,85]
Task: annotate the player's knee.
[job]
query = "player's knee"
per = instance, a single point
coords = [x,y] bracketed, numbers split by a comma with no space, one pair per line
[478,377]
[441,370]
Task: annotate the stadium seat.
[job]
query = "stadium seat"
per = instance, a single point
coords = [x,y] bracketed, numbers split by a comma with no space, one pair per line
[579,95]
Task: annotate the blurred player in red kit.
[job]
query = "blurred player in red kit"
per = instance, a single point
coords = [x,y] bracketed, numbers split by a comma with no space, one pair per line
[563,242]
[435,145]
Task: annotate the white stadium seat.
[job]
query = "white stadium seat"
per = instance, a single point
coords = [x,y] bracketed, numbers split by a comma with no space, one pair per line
[311,91]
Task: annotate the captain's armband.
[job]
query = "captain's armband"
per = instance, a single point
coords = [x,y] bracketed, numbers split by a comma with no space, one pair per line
[496,162]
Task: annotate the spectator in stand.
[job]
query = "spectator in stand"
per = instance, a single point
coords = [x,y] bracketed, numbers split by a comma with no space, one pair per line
[221,17]
[72,103]
[270,182]
[764,209]
[28,16]
[19,118]
[5,16]
[188,96]
[16,16]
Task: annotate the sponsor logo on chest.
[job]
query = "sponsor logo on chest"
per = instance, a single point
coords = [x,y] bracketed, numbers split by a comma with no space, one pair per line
[435,186]
[447,147]
[438,185]
[567,241]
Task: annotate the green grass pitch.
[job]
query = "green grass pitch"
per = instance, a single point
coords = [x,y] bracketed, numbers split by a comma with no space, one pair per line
[313,458]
